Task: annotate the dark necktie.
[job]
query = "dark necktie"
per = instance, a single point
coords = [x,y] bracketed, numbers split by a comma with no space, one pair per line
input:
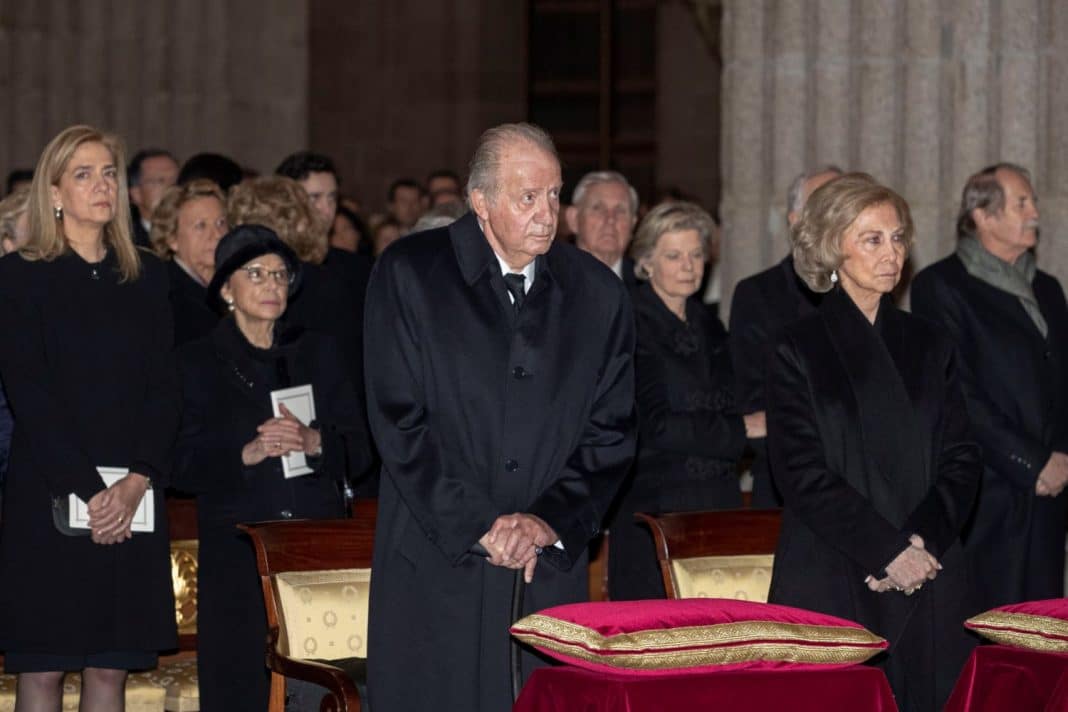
[515,283]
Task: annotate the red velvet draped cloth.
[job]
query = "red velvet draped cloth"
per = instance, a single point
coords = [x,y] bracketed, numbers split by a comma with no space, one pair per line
[999,678]
[572,689]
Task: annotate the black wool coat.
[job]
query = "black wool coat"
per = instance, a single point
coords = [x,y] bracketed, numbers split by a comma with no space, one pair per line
[87,365]
[762,305]
[834,532]
[1016,387]
[226,384]
[690,436]
[193,318]
[478,413]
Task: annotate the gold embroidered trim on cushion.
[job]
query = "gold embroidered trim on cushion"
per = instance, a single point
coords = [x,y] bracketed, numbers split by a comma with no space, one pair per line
[725,655]
[1023,630]
[688,646]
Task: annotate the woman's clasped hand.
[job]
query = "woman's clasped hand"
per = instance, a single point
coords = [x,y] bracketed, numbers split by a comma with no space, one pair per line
[278,437]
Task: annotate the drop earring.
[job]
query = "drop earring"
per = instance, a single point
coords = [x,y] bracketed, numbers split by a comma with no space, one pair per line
[58,212]
[834,276]
[230,304]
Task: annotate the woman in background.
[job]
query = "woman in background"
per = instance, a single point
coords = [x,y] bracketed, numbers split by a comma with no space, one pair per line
[231,444]
[186,226]
[690,438]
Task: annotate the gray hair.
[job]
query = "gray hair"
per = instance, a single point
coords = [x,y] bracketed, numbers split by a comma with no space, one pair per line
[665,218]
[484,171]
[795,201]
[440,216]
[596,177]
[983,190]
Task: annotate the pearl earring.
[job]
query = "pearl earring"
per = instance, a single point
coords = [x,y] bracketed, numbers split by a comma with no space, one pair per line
[230,304]
[58,212]
[834,276]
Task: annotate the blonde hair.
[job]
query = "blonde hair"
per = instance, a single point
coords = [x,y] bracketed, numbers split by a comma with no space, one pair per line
[665,218]
[281,204]
[165,217]
[11,208]
[47,240]
[828,213]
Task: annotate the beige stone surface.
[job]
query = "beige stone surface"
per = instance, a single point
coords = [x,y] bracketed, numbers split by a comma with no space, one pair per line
[920,93]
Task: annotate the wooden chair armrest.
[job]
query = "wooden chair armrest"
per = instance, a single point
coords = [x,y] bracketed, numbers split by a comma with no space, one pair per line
[345,696]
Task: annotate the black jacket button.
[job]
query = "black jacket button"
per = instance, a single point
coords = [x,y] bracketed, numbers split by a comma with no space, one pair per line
[511,465]
[519,372]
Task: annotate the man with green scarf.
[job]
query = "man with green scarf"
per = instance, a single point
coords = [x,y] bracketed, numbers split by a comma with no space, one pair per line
[1010,323]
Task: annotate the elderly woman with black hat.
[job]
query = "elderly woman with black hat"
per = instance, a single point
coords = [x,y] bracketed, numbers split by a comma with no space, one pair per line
[232,444]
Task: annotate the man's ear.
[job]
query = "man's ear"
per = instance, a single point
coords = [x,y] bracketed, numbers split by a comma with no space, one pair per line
[135,194]
[480,204]
[981,217]
[571,219]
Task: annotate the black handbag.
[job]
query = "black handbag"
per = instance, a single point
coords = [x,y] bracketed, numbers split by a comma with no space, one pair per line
[61,517]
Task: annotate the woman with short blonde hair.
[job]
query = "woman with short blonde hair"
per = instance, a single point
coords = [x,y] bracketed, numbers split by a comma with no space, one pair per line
[870,446]
[817,236]
[14,220]
[281,204]
[690,435]
[86,359]
[187,224]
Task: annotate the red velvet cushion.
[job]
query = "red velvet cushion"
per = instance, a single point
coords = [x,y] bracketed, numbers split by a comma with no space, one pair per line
[694,634]
[1038,625]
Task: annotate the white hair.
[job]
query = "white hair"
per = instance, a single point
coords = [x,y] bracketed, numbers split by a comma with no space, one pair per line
[484,172]
[596,177]
[795,201]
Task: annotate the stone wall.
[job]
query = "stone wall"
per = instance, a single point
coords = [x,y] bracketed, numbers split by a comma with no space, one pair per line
[190,76]
[919,93]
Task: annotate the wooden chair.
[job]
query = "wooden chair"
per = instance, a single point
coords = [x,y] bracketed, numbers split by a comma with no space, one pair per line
[315,576]
[724,554]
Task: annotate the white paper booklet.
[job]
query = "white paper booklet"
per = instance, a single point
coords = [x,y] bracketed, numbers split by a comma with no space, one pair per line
[144,518]
[301,403]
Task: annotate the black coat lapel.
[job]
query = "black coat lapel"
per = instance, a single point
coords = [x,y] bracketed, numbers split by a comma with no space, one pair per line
[896,477]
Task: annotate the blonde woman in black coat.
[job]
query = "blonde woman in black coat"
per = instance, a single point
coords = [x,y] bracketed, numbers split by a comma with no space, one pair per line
[231,444]
[86,361]
[690,436]
[870,447]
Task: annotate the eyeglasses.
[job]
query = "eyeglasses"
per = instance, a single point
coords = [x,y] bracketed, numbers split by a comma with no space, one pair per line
[258,275]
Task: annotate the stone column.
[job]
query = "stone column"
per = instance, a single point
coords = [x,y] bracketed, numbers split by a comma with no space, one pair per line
[920,93]
[188,76]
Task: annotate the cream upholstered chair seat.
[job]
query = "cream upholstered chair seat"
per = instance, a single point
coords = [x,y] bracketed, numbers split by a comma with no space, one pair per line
[316,577]
[716,554]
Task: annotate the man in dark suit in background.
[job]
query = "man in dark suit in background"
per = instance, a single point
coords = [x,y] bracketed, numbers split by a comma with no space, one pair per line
[1010,324]
[501,399]
[150,173]
[762,305]
[602,215]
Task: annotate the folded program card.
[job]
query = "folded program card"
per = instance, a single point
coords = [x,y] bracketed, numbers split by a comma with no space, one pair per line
[144,517]
[301,403]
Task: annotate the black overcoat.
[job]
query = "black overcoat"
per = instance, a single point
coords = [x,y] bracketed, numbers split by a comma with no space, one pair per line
[689,439]
[478,413]
[762,305]
[226,384]
[833,534]
[193,318]
[88,368]
[1016,387]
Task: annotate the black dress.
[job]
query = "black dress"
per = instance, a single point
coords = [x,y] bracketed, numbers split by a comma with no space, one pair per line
[689,437]
[869,442]
[193,318]
[87,365]
[1015,383]
[226,385]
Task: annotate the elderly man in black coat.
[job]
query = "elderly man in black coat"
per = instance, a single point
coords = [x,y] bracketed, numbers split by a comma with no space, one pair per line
[762,305]
[501,398]
[1010,324]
